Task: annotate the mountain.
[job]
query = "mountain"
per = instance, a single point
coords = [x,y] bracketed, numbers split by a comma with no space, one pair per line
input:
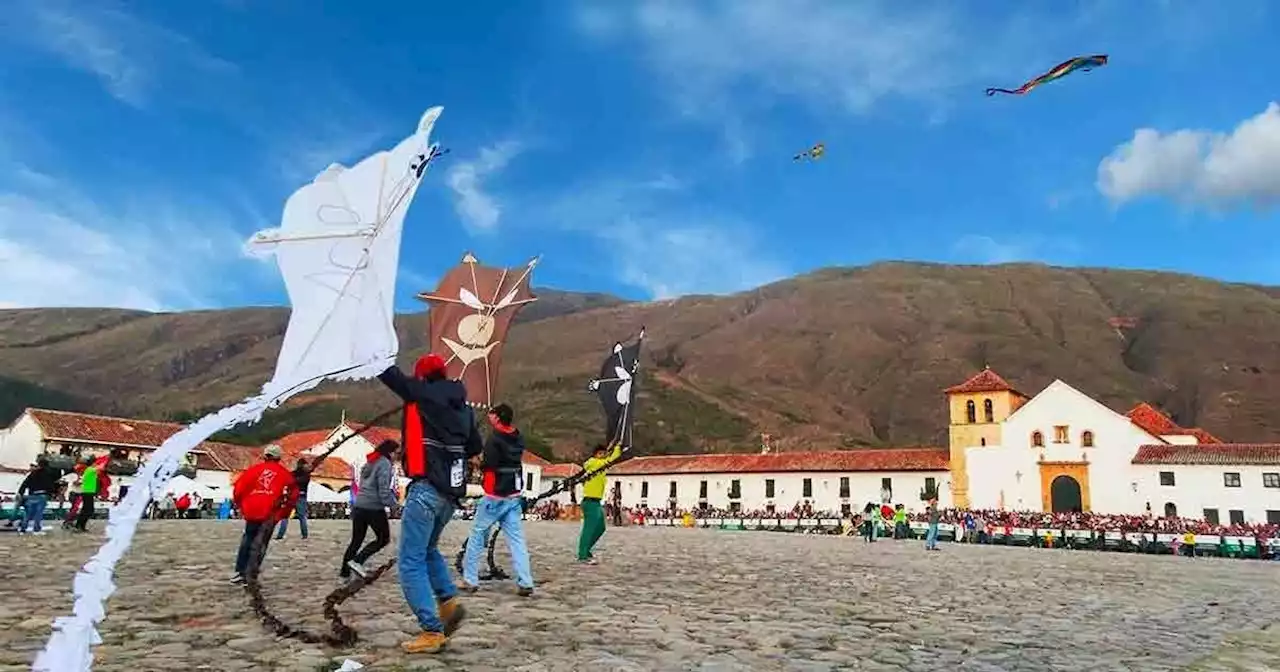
[845,357]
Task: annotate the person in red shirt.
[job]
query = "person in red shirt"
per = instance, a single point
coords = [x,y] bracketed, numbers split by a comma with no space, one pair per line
[261,493]
[183,503]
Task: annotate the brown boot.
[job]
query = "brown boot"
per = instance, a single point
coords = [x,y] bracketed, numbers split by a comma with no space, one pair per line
[451,614]
[426,642]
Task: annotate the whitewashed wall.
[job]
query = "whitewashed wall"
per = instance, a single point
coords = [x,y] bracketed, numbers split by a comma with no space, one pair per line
[1200,487]
[1012,468]
[21,443]
[788,489]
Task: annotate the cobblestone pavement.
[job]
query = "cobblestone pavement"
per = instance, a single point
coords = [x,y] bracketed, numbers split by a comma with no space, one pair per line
[672,599]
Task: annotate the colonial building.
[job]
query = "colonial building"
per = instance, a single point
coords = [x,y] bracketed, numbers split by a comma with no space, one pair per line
[1064,451]
[65,435]
[844,480]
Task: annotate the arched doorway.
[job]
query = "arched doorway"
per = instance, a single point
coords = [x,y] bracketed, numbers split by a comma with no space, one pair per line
[1064,494]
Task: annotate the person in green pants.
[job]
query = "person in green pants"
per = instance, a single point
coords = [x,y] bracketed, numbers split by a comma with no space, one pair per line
[592,493]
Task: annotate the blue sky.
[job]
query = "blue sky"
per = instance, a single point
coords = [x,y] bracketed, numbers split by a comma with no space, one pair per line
[644,148]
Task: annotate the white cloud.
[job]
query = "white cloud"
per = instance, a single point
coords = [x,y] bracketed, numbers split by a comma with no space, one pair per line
[1202,167]
[478,208]
[128,55]
[654,242]
[57,249]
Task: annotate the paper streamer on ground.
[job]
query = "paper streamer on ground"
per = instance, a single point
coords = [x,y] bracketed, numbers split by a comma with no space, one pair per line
[338,249]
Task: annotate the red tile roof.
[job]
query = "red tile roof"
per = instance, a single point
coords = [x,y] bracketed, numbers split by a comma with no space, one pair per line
[296,445]
[561,470]
[111,432]
[1242,454]
[883,459]
[986,381]
[1157,424]
[530,458]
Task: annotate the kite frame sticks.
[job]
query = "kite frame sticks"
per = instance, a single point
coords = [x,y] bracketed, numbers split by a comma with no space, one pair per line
[342,635]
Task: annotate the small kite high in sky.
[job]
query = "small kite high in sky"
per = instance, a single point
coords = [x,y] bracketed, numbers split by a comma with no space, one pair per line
[1080,63]
[815,152]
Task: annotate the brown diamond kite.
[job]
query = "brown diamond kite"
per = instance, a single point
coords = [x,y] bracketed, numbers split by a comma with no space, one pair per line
[471,310]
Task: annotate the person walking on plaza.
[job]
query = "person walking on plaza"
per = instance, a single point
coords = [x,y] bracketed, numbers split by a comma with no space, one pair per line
[34,492]
[257,493]
[440,436]
[931,537]
[592,493]
[377,495]
[502,504]
[302,478]
[93,482]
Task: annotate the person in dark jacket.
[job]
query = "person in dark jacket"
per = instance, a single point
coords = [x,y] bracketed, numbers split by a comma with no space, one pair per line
[35,491]
[301,478]
[377,496]
[502,504]
[440,435]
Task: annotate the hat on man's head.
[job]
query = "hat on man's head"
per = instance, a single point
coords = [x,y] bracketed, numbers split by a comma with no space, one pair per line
[428,364]
[272,452]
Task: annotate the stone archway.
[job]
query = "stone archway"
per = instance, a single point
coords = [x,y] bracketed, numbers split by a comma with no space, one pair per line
[1065,495]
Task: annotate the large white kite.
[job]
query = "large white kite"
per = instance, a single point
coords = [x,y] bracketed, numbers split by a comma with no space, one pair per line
[338,248]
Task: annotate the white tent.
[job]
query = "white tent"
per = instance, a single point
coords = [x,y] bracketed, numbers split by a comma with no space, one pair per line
[317,493]
[178,485]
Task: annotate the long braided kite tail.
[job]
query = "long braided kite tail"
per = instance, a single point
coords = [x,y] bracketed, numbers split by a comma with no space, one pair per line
[344,635]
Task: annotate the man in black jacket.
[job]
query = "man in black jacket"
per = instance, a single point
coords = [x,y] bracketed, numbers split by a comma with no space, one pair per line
[440,435]
[35,491]
[301,477]
[502,504]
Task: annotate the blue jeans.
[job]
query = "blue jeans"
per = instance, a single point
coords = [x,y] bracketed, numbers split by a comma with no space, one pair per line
[33,511]
[505,511]
[246,545]
[424,575]
[301,508]
[931,537]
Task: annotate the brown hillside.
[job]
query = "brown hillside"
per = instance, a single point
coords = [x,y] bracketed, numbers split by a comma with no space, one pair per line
[843,357]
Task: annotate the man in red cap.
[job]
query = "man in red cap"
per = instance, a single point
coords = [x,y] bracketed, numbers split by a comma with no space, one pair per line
[440,435]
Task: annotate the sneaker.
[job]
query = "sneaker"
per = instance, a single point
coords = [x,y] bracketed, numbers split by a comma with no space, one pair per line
[524,591]
[451,614]
[358,569]
[468,588]
[427,642]
[588,561]
[236,580]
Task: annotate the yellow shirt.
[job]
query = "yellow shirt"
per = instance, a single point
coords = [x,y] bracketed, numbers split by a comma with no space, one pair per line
[594,486]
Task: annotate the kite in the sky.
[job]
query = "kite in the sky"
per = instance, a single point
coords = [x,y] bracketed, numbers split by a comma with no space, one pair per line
[1080,63]
[815,152]
[338,248]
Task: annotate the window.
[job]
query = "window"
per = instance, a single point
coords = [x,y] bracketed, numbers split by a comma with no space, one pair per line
[735,489]
[846,509]
[1166,478]
[702,490]
[1086,439]
[1236,516]
[735,506]
[1060,434]
[844,486]
[1273,517]
[1211,516]
[702,506]
[1170,510]
[988,411]
[771,508]
[1271,480]
[1231,479]
[982,441]
[1037,439]
[644,489]
[671,491]
[768,488]
[970,411]
[886,488]
[528,480]
[808,487]
[930,484]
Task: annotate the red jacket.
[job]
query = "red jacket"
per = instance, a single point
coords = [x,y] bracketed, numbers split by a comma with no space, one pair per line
[260,488]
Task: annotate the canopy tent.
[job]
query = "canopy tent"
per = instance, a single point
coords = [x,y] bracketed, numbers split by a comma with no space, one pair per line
[317,493]
[179,485]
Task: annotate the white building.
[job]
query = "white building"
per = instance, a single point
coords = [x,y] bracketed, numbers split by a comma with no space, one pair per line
[843,481]
[39,431]
[1062,451]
